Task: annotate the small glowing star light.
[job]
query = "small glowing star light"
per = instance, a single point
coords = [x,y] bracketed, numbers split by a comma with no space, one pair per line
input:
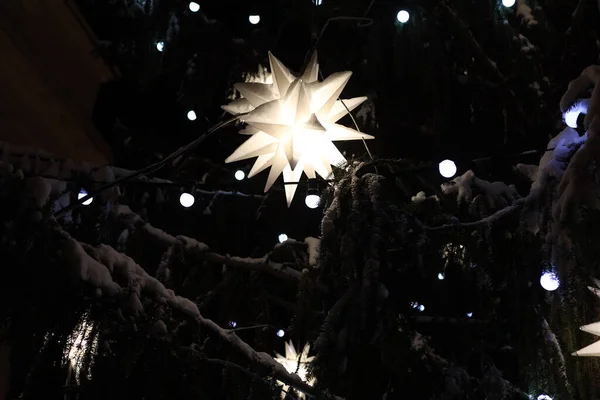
[295,363]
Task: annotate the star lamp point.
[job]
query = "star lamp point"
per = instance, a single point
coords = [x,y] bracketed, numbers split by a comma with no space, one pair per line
[292,123]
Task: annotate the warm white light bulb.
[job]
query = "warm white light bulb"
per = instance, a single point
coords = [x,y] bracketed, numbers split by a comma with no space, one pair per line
[441,276]
[508,3]
[318,2]
[469,314]
[312,200]
[160,46]
[447,168]
[186,200]
[421,307]
[239,175]
[283,237]
[232,324]
[194,7]
[191,115]
[81,195]
[549,281]
[403,16]
[254,19]
[544,397]
[281,333]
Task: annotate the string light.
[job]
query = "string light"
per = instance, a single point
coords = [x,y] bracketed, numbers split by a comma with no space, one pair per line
[318,2]
[191,115]
[447,168]
[160,46]
[281,333]
[194,7]
[239,175]
[544,397]
[283,237]
[186,200]
[549,281]
[232,324]
[469,314]
[573,113]
[508,3]
[421,307]
[403,16]
[81,195]
[254,19]
[312,199]
[441,276]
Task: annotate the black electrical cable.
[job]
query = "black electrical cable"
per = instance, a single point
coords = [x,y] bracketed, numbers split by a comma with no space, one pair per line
[146,170]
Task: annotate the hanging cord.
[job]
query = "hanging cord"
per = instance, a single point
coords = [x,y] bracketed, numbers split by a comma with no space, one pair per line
[146,170]
[353,121]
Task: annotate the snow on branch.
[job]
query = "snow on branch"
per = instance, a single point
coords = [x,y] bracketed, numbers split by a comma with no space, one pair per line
[590,77]
[263,264]
[97,266]
[497,194]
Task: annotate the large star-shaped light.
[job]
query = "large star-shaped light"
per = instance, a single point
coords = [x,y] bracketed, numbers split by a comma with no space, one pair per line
[593,350]
[292,123]
[295,363]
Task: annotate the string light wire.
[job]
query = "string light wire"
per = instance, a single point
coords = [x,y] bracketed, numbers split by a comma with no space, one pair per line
[150,169]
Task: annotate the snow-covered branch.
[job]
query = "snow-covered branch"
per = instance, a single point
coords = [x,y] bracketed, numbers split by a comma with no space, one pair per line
[96,266]
[263,264]
[484,221]
[590,77]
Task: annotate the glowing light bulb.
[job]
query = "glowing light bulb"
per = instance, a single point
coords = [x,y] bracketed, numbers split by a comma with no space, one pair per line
[403,16]
[160,46]
[508,3]
[81,195]
[544,397]
[186,200]
[441,276]
[254,19]
[549,281]
[191,115]
[421,307]
[469,314]
[232,324]
[414,304]
[194,7]
[281,333]
[571,118]
[283,237]
[312,200]
[239,175]
[447,168]
[318,2]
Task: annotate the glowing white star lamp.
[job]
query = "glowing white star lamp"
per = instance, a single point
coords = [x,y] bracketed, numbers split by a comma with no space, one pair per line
[295,363]
[593,350]
[292,123]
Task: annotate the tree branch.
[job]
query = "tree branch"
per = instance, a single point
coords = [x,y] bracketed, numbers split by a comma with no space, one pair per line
[487,220]
[468,37]
[280,270]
